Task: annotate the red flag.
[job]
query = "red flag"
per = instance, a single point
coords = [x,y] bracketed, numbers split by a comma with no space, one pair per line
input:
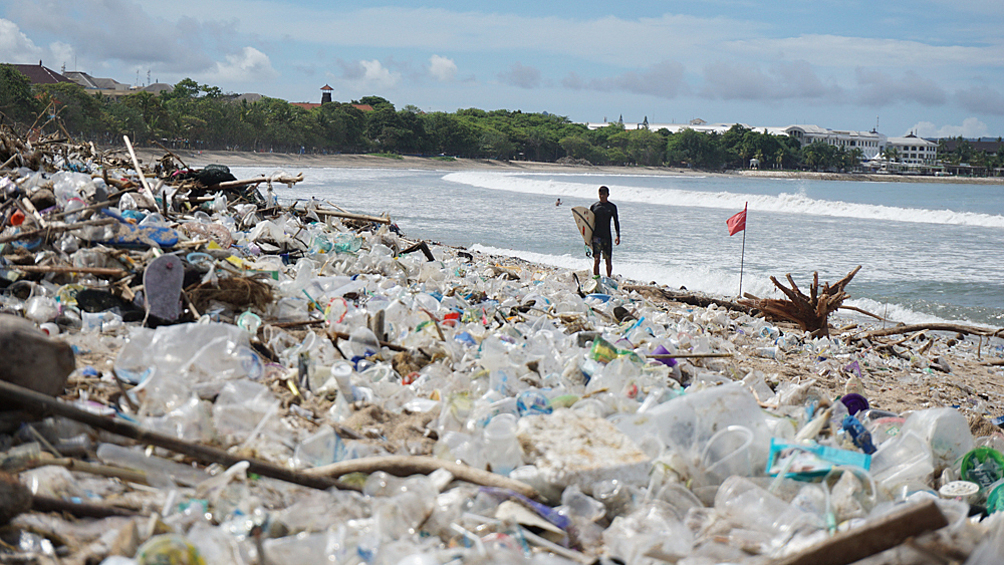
[737,223]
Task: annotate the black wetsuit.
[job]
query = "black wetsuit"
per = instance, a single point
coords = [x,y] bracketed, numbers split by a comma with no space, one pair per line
[603,212]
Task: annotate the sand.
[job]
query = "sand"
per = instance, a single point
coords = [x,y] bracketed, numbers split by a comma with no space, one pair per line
[293,162]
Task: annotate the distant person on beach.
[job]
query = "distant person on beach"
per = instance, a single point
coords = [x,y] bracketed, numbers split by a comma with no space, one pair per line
[604,211]
[558,203]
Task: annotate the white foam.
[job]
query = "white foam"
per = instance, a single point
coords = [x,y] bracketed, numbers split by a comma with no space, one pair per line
[781,203]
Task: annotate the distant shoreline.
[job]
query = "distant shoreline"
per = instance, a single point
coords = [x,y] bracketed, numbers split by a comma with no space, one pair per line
[290,161]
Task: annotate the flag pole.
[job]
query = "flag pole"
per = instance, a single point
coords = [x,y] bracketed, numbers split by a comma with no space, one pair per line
[742,260]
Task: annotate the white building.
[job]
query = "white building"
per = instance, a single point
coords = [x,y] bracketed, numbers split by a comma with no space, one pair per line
[913,150]
[870,143]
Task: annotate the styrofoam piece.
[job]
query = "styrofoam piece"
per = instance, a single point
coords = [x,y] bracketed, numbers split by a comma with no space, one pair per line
[570,447]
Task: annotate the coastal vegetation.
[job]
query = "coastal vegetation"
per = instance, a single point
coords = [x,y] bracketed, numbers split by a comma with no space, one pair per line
[202,117]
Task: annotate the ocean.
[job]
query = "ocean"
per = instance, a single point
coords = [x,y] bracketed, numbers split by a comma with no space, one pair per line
[929,252]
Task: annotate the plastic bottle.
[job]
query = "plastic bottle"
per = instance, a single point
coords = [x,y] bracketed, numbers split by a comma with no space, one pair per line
[501,448]
[859,434]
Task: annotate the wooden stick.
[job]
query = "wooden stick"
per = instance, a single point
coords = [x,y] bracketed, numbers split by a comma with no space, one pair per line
[865,312]
[203,453]
[877,536]
[934,327]
[686,355]
[135,164]
[171,153]
[80,510]
[350,216]
[77,465]
[281,179]
[30,208]
[100,271]
[405,465]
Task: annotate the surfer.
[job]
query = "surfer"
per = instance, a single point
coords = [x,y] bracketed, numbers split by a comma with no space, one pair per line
[604,211]
[558,203]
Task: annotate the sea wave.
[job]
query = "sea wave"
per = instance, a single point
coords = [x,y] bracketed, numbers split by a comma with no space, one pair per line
[781,203]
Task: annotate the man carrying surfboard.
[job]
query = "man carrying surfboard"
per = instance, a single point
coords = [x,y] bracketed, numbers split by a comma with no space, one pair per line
[604,211]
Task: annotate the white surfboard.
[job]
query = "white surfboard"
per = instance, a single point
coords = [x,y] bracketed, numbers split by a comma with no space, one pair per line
[584,222]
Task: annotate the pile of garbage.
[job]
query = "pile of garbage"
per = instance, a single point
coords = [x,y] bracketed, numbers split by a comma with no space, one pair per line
[198,373]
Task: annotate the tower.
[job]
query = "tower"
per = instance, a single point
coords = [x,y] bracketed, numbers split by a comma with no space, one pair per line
[326,94]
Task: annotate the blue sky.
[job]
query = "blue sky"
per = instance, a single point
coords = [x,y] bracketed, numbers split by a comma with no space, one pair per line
[935,67]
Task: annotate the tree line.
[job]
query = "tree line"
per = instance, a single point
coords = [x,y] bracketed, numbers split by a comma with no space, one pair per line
[202,117]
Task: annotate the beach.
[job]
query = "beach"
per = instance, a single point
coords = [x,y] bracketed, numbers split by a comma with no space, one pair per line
[293,161]
[973,385]
[403,308]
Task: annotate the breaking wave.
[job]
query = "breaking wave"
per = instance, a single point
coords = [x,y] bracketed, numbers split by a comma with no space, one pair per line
[784,203]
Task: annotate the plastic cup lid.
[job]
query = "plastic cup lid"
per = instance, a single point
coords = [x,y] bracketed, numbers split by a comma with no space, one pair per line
[854,402]
[956,489]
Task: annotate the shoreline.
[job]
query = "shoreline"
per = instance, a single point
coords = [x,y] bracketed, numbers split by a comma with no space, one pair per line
[290,160]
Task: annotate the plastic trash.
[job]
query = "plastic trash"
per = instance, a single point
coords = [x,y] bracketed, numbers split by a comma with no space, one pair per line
[502,449]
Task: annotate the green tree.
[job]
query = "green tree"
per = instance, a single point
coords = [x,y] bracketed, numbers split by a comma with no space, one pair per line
[16,100]
[80,113]
[156,118]
[692,148]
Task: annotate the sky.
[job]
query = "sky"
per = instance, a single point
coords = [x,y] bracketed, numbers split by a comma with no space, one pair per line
[931,67]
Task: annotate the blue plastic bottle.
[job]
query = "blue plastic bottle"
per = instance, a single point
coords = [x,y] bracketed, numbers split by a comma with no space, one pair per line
[859,434]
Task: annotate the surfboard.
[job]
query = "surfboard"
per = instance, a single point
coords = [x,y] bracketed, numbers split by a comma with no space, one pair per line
[584,222]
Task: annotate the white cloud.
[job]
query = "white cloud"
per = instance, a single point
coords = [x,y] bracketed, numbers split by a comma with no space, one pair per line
[442,68]
[15,47]
[374,75]
[250,65]
[970,128]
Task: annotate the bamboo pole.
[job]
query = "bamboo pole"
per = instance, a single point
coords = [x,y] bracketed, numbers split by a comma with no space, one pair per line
[135,164]
[204,453]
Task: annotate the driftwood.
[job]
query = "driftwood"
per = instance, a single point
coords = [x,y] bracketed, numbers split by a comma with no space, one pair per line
[351,216]
[687,298]
[99,271]
[30,399]
[77,509]
[885,533]
[406,465]
[809,312]
[280,178]
[903,329]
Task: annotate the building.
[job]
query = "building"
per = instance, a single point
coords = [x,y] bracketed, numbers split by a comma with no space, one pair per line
[871,143]
[104,86]
[326,99]
[913,151]
[40,74]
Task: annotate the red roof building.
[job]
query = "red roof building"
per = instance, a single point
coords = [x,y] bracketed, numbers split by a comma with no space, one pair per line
[39,74]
